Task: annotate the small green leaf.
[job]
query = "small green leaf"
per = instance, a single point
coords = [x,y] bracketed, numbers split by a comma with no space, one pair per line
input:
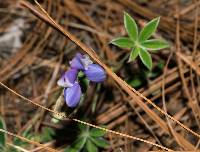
[134,54]
[94,132]
[146,58]
[2,135]
[100,142]
[149,29]
[154,44]
[82,127]
[77,145]
[91,147]
[136,82]
[131,26]
[123,42]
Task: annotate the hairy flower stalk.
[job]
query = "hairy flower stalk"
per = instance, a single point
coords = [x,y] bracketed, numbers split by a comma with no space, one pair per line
[69,80]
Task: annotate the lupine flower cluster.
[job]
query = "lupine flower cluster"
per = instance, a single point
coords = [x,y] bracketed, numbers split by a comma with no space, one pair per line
[69,80]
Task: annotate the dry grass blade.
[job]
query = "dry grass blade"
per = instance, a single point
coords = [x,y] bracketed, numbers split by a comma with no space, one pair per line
[131,91]
[193,65]
[18,147]
[186,10]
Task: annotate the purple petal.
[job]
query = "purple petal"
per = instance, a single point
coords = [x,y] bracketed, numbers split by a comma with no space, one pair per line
[68,78]
[72,95]
[85,60]
[76,62]
[80,62]
[95,73]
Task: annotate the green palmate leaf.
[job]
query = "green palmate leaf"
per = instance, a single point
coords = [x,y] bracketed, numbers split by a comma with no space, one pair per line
[154,44]
[123,42]
[91,147]
[146,58]
[131,26]
[77,145]
[134,54]
[100,142]
[149,29]
[94,132]
[2,135]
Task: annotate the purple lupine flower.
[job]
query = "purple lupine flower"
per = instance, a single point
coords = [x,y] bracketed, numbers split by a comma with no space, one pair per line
[72,95]
[68,78]
[95,73]
[72,89]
